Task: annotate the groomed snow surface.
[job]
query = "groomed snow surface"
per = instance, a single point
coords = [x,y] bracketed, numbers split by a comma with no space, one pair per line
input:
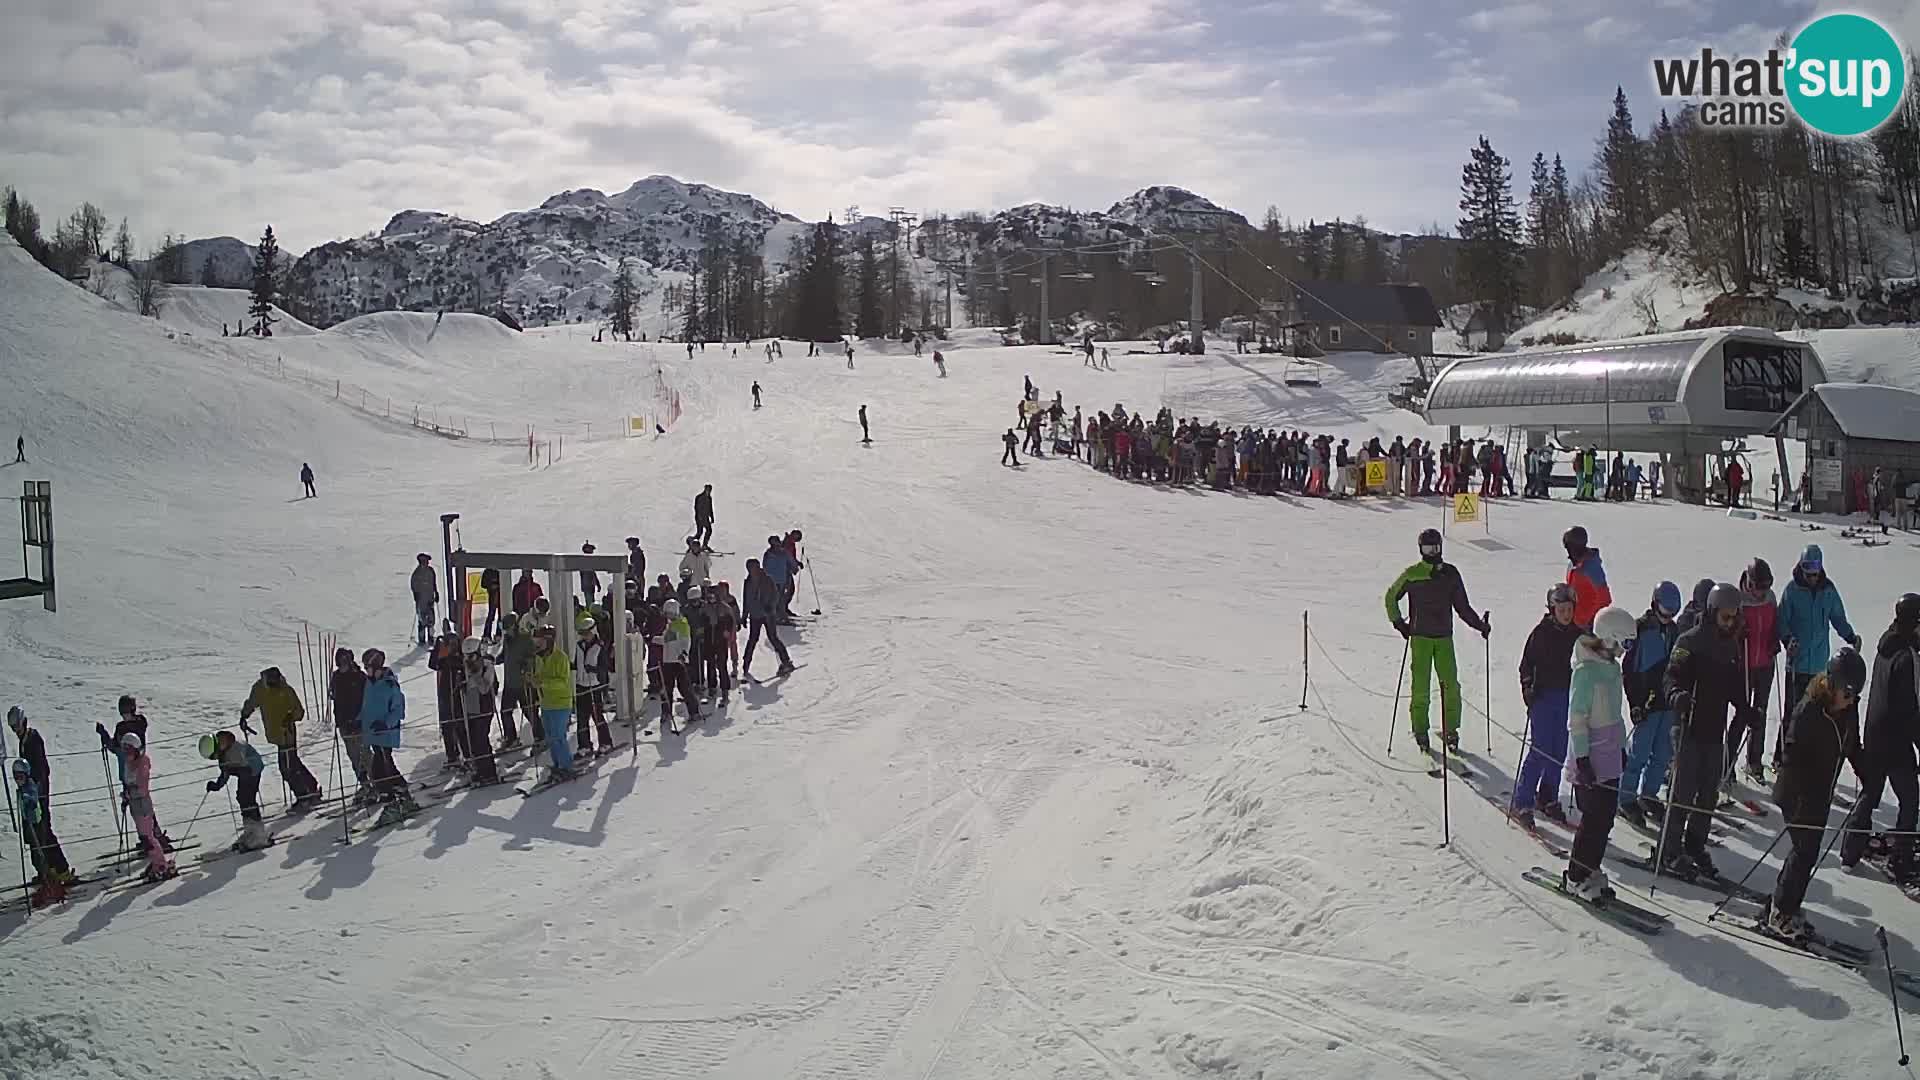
[1042,802]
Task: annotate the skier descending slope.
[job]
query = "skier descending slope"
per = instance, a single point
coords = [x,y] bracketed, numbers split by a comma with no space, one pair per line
[1819,735]
[1651,744]
[1596,747]
[1546,669]
[1434,592]
[1706,677]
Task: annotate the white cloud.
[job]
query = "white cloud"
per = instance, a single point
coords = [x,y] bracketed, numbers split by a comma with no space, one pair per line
[1521,16]
[1609,28]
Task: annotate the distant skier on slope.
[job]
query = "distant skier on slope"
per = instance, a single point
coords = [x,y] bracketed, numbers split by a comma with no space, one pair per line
[866,436]
[1434,592]
[20,450]
[703,516]
[940,363]
[756,386]
[1595,751]
[849,356]
[306,480]
[1010,456]
[589,579]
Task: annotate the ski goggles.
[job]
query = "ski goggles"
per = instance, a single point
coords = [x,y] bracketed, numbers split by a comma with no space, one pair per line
[1429,549]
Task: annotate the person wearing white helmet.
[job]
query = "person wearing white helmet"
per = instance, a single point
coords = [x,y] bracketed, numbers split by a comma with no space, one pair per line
[1596,746]
[675,643]
[590,656]
[137,796]
[478,688]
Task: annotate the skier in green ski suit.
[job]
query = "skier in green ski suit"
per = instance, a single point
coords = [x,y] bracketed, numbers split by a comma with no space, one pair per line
[1434,591]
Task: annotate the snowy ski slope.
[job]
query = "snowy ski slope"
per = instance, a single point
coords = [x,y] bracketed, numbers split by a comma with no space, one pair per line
[1042,802]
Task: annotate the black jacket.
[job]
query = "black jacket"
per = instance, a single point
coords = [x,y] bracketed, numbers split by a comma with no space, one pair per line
[1893,702]
[1711,671]
[1547,662]
[347,688]
[1814,745]
[703,507]
[1434,594]
[34,749]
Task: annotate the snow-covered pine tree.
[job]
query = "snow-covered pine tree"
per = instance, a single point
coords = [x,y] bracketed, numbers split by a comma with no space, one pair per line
[620,307]
[1489,256]
[265,285]
[1621,165]
[867,321]
[695,327]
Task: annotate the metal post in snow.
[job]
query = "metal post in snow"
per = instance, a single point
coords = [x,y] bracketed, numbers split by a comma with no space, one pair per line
[1303,659]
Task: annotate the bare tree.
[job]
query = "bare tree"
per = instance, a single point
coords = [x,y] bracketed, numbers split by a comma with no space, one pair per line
[150,285]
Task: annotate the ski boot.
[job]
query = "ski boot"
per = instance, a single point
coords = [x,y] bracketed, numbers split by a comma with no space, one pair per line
[1656,810]
[1420,740]
[1756,776]
[723,699]
[1594,888]
[391,814]
[1793,927]
[46,894]
[1451,740]
[785,668]
[154,877]
[253,837]
[1554,811]
[1633,814]
[1522,818]
[1702,864]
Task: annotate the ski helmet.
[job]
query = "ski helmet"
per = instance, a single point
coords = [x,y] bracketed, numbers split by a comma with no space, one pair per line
[1560,594]
[1759,575]
[1614,627]
[587,548]
[1666,597]
[693,592]
[1431,545]
[1906,610]
[1847,669]
[1724,597]
[470,646]
[1574,539]
[671,609]
[343,656]
[127,704]
[209,747]
[21,770]
[373,659]
[131,740]
[633,541]
[17,718]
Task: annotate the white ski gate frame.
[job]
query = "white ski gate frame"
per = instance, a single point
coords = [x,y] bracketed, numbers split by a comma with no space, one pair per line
[560,570]
[36,530]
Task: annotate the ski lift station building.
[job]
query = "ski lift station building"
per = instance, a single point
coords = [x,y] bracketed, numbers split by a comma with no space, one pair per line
[1685,394]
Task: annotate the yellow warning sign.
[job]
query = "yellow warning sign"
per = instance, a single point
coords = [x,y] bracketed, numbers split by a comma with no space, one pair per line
[1466,507]
[474,592]
[1376,476]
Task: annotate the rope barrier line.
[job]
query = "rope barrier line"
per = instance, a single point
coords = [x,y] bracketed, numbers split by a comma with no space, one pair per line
[1611,785]
[1327,712]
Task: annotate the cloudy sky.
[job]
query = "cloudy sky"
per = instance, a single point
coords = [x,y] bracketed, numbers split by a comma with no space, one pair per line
[324,117]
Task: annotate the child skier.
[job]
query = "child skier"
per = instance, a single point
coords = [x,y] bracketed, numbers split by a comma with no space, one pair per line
[1651,743]
[1821,734]
[1546,668]
[1596,741]
[239,759]
[590,655]
[137,796]
[1759,619]
[52,875]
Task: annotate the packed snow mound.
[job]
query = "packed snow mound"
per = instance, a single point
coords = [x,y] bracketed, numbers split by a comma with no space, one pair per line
[1887,355]
[200,310]
[418,331]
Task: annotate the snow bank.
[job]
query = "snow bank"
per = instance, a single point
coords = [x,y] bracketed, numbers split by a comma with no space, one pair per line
[200,310]
[416,331]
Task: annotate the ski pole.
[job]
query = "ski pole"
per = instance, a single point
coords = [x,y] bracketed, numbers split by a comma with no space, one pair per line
[1446,785]
[19,827]
[1393,721]
[1721,906]
[1520,763]
[1487,643]
[119,812]
[1880,935]
[814,577]
[1666,819]
[1304,677]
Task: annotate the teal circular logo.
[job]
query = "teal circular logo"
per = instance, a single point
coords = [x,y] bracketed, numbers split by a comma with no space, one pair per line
[1846,75]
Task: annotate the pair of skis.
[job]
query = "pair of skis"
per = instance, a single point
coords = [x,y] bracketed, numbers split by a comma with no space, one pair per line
[581,767]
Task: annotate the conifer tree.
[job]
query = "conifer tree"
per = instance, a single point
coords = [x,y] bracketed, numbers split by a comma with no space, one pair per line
[1488,260]
[620,307]
[265,285]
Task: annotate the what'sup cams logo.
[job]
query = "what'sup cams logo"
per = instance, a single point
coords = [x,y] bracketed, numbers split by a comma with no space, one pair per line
[1842,75]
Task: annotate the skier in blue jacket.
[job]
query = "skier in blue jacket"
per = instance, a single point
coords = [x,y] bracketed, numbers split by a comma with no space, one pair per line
[383,711]
[1650,746]
[1807,608]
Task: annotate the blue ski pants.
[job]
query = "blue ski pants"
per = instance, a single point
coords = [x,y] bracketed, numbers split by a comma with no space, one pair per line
[1649,752]
[1539,782]
[554,722]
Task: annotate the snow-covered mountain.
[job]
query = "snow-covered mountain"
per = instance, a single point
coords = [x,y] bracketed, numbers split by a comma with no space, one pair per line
[555,263]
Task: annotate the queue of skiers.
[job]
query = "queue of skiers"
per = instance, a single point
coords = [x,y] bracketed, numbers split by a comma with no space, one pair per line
[1268,461]
[1620,708]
